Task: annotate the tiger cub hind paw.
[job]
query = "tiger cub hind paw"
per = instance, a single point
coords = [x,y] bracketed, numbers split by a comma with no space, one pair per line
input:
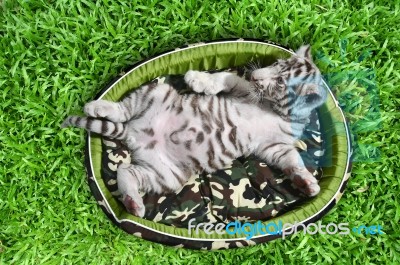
[133,207]
[102,109]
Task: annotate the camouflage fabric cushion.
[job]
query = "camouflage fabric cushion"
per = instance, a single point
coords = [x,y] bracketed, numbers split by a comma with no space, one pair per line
[248,191]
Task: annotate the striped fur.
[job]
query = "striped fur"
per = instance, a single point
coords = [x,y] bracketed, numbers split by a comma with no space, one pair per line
[173,136]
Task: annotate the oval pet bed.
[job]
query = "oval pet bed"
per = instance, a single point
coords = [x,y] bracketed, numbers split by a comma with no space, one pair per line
[250,192]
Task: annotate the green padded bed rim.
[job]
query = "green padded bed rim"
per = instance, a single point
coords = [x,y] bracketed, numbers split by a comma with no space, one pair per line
[220,55]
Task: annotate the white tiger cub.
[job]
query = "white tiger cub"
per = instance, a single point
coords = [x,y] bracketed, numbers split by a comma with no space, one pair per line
[173,136]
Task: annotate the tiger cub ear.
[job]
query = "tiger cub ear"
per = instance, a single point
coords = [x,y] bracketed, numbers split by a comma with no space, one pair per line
[305,52]
[312,89]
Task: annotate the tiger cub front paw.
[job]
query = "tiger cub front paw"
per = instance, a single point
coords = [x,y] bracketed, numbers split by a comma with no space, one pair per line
[303,180]
[201,82]
[134,206]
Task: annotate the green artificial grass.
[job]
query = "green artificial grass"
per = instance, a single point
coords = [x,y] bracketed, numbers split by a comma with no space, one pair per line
[54,57]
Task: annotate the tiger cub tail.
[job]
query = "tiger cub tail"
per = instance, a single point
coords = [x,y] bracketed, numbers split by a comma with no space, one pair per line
[115,130]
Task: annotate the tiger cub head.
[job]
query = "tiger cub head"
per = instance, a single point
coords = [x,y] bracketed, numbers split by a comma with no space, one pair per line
[293,86]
